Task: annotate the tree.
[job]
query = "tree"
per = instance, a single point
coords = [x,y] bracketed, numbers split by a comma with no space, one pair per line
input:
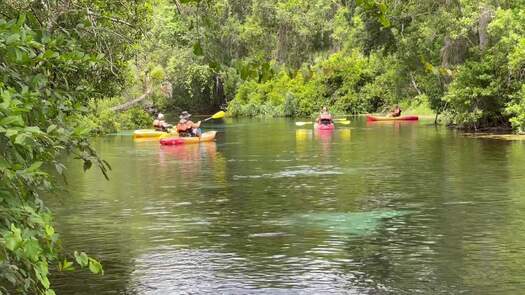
[54,57]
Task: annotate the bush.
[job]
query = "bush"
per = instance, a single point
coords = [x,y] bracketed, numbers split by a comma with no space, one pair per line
[103,120]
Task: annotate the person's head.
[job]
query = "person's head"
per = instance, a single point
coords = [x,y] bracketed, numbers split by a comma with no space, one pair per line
[160,116]
[184,116]
[324,109]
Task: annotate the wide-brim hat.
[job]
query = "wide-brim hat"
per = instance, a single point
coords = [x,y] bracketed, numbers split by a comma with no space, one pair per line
[185,115]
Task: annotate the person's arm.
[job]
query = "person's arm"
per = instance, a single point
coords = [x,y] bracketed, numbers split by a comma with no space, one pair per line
[194,125]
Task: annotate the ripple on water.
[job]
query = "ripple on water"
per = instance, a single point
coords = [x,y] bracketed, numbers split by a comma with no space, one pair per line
[296,171]
[201,271]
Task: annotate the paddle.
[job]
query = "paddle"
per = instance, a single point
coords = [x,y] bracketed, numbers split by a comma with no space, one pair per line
[303,123]
[218,115]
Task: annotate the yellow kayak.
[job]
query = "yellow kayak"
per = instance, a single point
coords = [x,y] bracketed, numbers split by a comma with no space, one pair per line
[151,133]
[205,137]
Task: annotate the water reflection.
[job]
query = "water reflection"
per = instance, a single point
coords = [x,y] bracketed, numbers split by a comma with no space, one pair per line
[370,209]
[194,271]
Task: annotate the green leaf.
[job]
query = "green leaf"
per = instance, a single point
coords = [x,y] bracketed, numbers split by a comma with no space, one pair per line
[81,258]
[51,128]
[32,250]
[87,165]
[384,21]
[50,231]
[197,49]
[95,266]
[12,38]
[66,265]
[13,238]
[34,166]
[382,7]
[41,272]
[6,100]
[21,19]
[11,132]
[10,241]
[33,129]
[21,139]
[12,120]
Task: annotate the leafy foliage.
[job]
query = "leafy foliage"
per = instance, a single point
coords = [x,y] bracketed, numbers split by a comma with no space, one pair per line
[52,62]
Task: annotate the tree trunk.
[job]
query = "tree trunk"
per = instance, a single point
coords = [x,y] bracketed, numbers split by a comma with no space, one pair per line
[483,24]
[129,104]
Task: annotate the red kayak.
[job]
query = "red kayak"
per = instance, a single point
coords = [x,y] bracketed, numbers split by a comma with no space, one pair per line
[400,118]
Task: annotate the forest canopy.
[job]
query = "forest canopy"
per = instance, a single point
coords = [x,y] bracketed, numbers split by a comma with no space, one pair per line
[288,58]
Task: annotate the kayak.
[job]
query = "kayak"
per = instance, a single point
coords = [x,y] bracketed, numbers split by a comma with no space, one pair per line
[330,126]
[205,137]
[150,133]
[401,118]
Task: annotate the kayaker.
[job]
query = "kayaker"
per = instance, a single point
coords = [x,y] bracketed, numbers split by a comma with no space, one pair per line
[160,125]
[396,111]
[186,127]
[324,118]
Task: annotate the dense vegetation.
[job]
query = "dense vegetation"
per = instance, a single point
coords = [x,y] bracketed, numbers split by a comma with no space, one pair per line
[55,58]
[462,58]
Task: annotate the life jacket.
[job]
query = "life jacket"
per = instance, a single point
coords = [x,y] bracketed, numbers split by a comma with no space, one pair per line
[325,119]
[184,129]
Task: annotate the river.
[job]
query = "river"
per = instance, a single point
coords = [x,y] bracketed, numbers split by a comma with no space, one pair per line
[270,208]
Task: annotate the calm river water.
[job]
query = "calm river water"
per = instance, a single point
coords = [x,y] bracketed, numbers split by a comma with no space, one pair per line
[381,208]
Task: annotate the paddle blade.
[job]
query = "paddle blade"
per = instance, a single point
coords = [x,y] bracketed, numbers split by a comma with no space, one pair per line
[218,115]
[302,123]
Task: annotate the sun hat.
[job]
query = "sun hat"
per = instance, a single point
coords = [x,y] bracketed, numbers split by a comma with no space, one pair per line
[185,115]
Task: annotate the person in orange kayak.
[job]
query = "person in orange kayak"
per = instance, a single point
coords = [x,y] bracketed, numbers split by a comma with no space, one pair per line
[160,125]
[325,118]
[186,127]
[395,112]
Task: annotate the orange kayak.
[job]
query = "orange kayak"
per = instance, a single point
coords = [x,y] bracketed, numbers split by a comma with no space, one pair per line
[400,118]
[205,137]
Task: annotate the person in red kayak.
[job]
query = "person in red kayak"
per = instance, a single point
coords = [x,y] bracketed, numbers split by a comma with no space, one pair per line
[395,112]
[186,127]
[324,118]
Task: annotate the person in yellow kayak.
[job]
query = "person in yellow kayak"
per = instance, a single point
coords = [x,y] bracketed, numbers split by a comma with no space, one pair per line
[324,117]
[160,125]
[186,127]
[395,112]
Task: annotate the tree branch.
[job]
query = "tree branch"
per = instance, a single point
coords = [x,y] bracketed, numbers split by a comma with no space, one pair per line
[127,105]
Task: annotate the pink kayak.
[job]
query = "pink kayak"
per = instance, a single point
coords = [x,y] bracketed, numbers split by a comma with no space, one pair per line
[330,126]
